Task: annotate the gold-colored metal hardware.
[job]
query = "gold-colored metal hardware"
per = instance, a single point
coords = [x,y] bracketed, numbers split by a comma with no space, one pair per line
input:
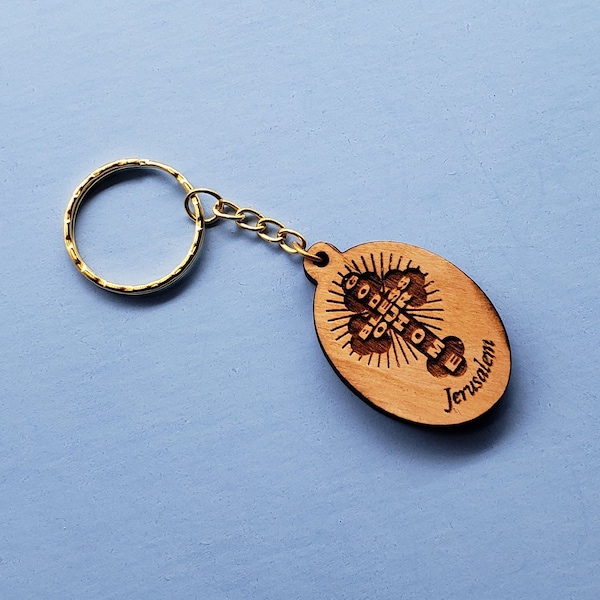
[288,240]
[263,235]
[244,223]
[82,192]
[220,209]
[252,220]
[298,245]
[213,219]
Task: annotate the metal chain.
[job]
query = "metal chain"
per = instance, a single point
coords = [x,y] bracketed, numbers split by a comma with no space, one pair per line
[268,229]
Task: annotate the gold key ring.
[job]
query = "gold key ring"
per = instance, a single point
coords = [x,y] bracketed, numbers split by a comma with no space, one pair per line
[77,200]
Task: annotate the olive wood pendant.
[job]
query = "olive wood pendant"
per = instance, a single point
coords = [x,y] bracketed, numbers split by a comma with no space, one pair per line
[409,332]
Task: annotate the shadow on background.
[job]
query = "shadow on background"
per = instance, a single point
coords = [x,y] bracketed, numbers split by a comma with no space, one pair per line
[454,443]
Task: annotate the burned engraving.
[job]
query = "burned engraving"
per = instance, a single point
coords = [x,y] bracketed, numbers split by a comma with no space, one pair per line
[392,316]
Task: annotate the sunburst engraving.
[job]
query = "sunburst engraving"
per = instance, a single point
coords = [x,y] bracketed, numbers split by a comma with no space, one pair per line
[387,312]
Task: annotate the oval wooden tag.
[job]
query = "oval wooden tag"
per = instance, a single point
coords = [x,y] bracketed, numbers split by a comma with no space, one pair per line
[409,332]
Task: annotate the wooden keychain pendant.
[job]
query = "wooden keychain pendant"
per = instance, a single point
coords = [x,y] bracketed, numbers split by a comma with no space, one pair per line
[409,332]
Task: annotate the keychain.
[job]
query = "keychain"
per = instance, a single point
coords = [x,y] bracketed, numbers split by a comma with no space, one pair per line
[405,329]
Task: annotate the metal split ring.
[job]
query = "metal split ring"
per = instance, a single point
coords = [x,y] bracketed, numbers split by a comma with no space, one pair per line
[82,191]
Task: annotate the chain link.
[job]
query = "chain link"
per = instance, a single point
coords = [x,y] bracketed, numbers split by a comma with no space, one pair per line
[268,229]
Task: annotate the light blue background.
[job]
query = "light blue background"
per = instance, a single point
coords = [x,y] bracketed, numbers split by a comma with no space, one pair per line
[198,445]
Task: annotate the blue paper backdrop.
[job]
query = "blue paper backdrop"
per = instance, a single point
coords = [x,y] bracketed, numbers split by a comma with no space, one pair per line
[198,445]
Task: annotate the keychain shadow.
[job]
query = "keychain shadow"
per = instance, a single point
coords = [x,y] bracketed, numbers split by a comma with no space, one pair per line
[162,296]
[449,444]
[122,177]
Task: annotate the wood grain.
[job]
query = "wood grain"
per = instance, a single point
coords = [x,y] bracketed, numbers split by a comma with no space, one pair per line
[409,332]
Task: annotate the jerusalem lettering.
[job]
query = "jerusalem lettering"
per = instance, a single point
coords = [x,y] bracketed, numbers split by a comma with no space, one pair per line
[483,368]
